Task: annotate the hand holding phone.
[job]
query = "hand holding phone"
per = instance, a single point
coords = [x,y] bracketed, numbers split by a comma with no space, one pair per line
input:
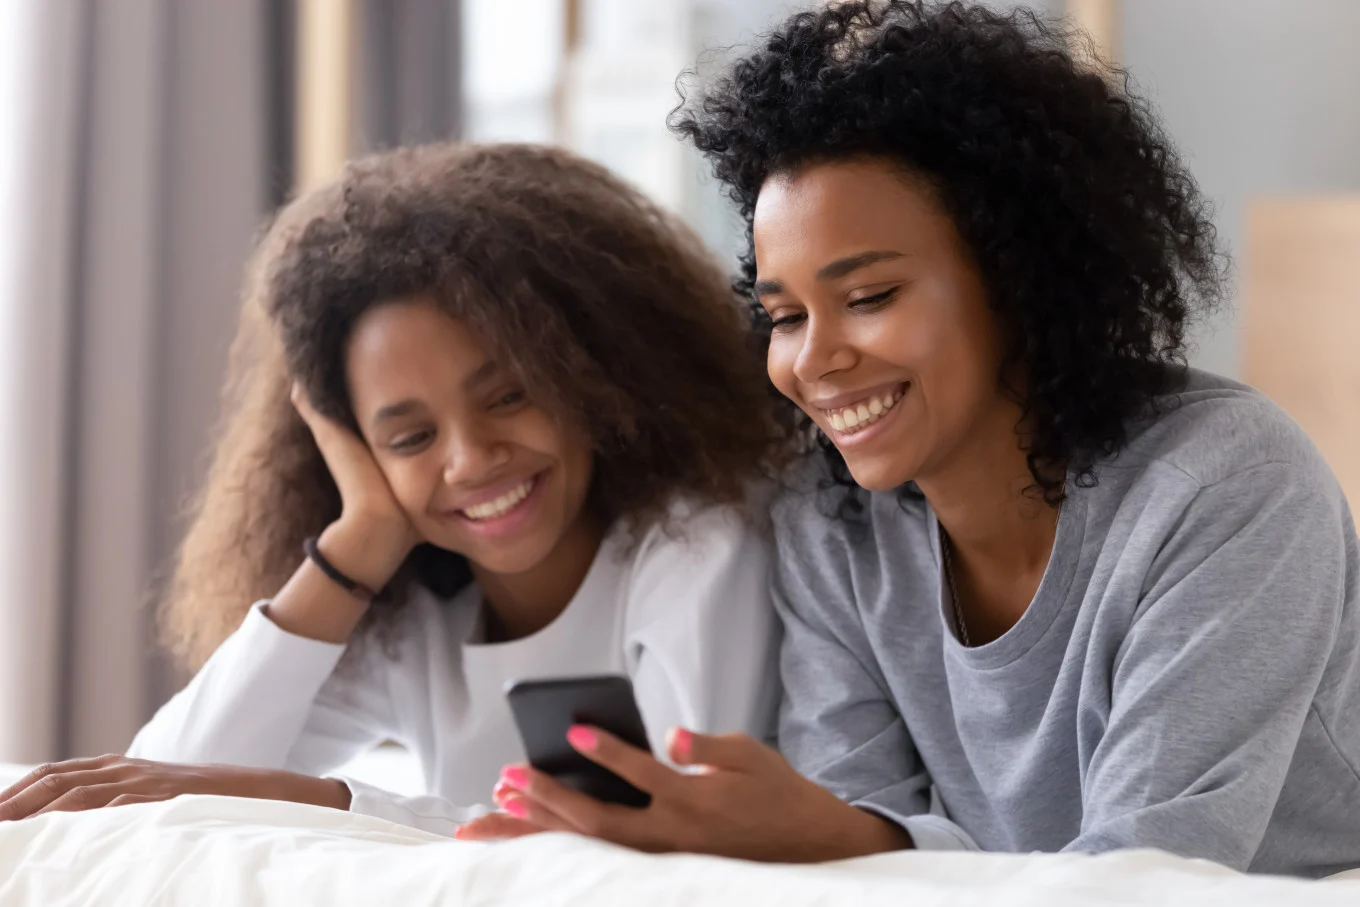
[545,710]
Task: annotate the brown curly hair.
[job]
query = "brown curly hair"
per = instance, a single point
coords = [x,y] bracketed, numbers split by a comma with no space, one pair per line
[609,309]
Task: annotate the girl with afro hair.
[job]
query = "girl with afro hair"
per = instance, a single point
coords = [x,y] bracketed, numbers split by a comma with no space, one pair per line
[495,417]
[1044,587]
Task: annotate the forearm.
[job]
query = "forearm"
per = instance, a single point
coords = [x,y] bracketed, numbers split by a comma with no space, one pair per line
[82,784]
[287,786]
[313,605]
[249,705]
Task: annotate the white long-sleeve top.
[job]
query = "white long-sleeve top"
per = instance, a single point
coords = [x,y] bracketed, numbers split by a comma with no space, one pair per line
[687,616]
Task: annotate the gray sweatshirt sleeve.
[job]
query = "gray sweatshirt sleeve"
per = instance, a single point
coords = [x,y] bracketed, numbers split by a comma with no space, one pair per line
[838,726]
[1212,684]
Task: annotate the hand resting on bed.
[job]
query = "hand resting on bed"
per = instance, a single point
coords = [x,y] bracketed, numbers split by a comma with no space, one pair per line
[81,784]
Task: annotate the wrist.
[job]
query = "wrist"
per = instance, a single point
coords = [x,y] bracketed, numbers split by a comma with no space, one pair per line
[334,793]
[370,558]
[328,792]
[882,835]
[864,833]
[272,784]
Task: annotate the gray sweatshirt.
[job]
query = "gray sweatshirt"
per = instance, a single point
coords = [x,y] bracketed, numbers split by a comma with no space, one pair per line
[1187,676]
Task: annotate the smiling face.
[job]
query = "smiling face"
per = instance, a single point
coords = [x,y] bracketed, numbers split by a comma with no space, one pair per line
[478,468]
[882,332]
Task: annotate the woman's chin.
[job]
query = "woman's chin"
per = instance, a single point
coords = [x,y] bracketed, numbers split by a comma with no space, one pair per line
[506,557]
[880,473]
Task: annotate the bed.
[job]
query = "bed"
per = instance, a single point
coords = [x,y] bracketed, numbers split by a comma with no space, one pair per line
[216,850]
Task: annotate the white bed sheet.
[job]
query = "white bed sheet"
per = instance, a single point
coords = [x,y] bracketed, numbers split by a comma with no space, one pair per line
[213,850]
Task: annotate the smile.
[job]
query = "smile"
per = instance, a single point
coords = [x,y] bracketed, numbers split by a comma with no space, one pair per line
[500,506]
[858,416]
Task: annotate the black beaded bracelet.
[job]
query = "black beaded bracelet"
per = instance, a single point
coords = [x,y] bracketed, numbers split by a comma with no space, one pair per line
[358,590]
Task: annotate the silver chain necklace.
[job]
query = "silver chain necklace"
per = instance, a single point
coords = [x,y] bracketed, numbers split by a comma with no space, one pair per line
[947,550]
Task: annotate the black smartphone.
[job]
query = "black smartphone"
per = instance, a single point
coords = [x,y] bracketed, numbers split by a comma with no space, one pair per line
[545,710]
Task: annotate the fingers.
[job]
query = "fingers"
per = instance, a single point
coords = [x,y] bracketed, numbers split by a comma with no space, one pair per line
[519,805]
[529,794]
[302,402]
[82,798]
[527,809]
[323,428]
[638,767]
[49,789]
[495,827]
[54,768]
[522,816]
[729,752]
[350,460]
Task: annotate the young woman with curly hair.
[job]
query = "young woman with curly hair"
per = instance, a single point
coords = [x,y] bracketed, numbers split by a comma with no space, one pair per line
[1046,588]
[528,416]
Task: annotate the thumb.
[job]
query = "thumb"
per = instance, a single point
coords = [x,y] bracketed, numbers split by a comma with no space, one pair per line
[730,752]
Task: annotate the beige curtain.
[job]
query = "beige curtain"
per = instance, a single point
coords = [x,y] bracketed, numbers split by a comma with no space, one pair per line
[143,176]
[39,44]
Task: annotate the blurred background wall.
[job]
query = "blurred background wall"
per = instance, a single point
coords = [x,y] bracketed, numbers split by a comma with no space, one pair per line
[143,143]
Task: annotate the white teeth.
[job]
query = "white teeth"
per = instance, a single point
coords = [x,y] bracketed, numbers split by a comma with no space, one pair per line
[501,505]
[872,410]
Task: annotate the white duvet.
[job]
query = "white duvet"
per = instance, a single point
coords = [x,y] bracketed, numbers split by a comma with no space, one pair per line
[212,850]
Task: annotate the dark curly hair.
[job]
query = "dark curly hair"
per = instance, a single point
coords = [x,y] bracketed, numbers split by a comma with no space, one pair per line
[610,310]
[1091,237]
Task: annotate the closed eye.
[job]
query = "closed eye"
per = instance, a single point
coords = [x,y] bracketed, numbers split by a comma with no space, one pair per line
[788,322]
[513,398]
[876,301]
[410,443]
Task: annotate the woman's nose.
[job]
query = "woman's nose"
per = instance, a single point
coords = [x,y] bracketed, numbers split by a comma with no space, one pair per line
[471,456]
[824,351]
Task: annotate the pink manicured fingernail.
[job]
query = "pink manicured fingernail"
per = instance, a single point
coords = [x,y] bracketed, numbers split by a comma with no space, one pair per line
[515,776]
[583,738]
[500,790]
[682,742]
[515,807]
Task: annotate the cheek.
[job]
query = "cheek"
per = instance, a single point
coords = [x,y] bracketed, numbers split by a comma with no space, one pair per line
[958,363]
[579,458]
[930,336]
[969,356]
[570,446]
[779,362]
[908,334]
[412,481]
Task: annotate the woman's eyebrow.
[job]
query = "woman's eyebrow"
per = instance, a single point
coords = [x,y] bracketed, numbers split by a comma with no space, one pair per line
[843,266]
[767,287]
[833,271]
[481,375]
[395,410]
